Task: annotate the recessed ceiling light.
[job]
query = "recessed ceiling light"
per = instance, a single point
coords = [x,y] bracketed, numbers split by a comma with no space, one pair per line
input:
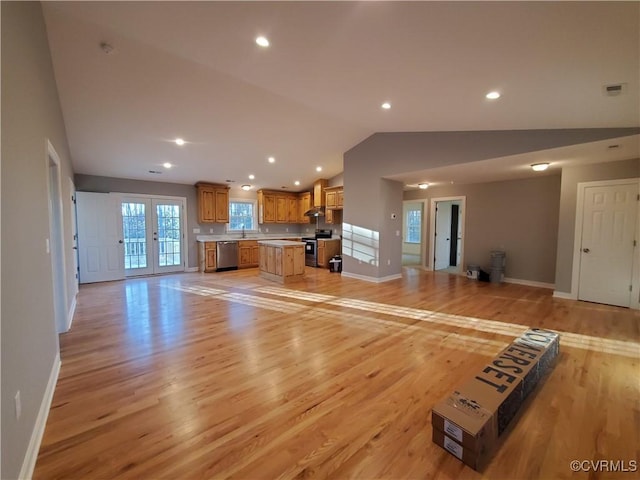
[167,165]
[262,41]
[423,186]
[271,160]
[539,167]
[318,169]
[252,176]
[246,187]
[386,105]
[297,182]
[493,95]
[179,141]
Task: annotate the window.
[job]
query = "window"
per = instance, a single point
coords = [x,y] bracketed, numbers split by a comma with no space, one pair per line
[412,225]
[242,215]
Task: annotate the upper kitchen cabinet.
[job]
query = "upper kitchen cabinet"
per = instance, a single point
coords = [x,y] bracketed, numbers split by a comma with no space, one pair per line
[318,192]
[334,197]
[304,204]
[283,207]
[213,203]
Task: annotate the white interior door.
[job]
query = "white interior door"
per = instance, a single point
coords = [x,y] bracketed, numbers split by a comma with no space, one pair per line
[607,244]
[153,235]
[100,241]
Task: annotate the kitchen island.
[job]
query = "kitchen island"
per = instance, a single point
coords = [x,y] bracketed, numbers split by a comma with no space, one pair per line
[281,260]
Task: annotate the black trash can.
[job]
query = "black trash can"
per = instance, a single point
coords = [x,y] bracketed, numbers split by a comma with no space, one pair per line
[335,264]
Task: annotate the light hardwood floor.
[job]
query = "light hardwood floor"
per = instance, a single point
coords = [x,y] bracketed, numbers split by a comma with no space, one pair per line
[229,375]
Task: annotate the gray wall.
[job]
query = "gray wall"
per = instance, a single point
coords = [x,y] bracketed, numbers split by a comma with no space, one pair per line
[90,183]
[568,199]
[519,217]
[30,115]
[369,201]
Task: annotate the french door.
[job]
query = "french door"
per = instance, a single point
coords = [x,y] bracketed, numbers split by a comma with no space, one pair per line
[153,235]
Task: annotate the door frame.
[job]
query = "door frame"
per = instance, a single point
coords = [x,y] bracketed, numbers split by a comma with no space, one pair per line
[577,240]
[432,228]
[423,243]
[185,243]
[55,242]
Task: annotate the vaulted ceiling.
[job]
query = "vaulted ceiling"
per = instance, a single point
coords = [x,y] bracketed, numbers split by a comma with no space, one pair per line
[192,70]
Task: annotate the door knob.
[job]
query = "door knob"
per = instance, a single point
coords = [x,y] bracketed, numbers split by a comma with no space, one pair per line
[586,250]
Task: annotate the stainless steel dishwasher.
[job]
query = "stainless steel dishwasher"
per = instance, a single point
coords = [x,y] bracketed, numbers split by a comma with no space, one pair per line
[227,255]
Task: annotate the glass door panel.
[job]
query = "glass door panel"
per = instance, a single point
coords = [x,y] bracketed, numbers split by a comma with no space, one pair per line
[135,229]
[168,255]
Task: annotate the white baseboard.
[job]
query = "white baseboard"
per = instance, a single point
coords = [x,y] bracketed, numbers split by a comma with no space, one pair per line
[31,456]
[372,279]
[565,295]
[191,269]
[529,283]
[72,311]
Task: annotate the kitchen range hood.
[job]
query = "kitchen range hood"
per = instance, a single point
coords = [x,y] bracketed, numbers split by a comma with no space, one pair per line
[315,212]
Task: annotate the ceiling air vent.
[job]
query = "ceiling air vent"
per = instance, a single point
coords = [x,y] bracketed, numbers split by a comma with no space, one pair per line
[614,89]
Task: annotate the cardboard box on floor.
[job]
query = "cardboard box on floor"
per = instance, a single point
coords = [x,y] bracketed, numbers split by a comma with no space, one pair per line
[468,422]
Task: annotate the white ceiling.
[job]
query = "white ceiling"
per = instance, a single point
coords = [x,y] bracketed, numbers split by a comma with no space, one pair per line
[193,70]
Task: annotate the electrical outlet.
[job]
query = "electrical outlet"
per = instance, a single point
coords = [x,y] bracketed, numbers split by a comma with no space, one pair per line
[388,262]
[211,230]
[47,246]
[287,230]
[18,403]
[266,230]
[397,233]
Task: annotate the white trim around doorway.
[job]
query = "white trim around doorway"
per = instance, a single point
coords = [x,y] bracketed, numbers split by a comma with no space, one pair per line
[432,227]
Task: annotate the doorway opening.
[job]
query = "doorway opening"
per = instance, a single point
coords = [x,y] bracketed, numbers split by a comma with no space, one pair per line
[413,232]
[446,242]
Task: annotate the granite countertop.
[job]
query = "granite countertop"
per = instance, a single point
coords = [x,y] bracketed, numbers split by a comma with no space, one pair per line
[280,243]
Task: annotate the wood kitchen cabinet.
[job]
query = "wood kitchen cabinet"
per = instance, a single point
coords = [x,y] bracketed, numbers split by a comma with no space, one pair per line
[266,207]
[207,256]
[334,197]
[283,207]
[304,204]
[327,248]
[248,253]
[281,260]
[319,197]
[213,203]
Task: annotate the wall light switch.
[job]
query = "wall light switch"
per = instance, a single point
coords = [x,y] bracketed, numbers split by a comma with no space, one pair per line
[47,246]
[196,230]
[397,233]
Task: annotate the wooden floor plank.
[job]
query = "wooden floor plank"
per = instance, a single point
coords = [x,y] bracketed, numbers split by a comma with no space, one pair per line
[229,375]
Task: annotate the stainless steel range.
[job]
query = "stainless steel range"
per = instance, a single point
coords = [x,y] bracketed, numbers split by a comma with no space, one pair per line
[311,246]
